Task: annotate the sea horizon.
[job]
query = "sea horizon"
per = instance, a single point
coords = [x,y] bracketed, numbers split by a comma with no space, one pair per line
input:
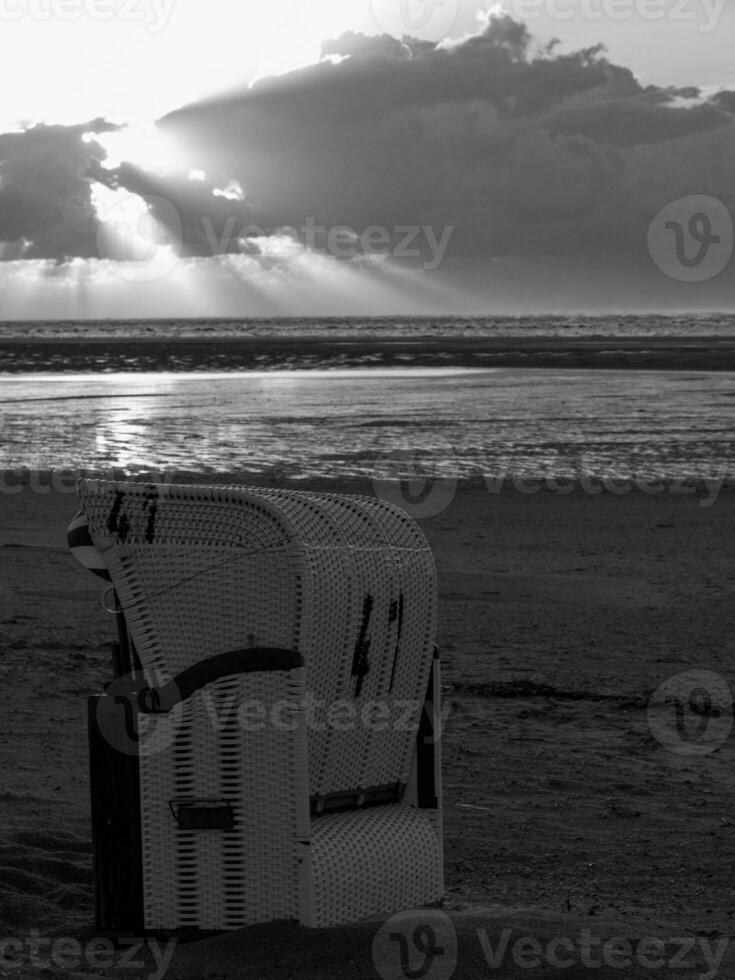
[631,397]
[718,319]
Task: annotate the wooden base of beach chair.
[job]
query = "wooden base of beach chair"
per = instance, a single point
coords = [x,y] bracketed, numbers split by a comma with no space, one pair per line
[116,835]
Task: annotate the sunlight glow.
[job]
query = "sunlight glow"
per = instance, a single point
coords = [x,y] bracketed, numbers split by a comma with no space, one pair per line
[144,145]
[126,207]
[144,59]
[284,279]
[143,248]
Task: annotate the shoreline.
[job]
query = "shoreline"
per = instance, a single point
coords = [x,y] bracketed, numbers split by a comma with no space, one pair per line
[34,354]
[63,481]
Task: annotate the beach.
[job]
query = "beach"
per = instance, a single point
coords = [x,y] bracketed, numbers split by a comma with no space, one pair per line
[474,260]
[149,352]
[571,802]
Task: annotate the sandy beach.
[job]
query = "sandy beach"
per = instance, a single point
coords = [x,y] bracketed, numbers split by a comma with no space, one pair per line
[473,258]
[564,812]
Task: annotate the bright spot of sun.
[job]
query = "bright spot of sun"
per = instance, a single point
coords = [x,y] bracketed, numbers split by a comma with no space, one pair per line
[118,206]
[142,144]
[198,175]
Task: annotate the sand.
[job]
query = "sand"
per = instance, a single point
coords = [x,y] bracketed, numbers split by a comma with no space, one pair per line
[560,614]
[28,354]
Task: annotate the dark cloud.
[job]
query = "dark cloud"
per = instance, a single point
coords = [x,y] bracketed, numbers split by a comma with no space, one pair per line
[725,101]
[521,150]
[45,190]
[207,223]
[632,121]
[382,75]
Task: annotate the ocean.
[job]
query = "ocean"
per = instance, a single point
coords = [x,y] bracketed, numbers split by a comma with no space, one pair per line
[496,398]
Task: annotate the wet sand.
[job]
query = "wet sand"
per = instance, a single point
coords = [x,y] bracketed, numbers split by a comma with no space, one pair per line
[196,354]
[563,810]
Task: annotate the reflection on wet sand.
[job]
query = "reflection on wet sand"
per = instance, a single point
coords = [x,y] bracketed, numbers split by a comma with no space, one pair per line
[340,423]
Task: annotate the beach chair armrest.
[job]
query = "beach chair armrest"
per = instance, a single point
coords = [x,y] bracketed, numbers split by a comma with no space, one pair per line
[161,700]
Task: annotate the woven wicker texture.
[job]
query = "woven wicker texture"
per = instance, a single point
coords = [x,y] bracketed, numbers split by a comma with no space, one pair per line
[229,568]
[213,751]
[350,583]
[374,860]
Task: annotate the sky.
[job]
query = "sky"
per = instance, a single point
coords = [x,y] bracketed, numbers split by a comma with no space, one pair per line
[165,158]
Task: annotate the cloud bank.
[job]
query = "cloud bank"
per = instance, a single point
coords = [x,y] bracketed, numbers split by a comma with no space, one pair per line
[46,173]
[525,153]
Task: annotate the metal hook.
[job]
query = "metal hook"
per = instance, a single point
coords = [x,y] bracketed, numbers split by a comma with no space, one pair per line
[118,607]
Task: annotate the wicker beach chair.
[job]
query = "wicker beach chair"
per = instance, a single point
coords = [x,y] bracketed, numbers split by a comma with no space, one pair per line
[275,755]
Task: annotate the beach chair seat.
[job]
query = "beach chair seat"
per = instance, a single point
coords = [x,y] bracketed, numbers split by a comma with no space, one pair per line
[276,755]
